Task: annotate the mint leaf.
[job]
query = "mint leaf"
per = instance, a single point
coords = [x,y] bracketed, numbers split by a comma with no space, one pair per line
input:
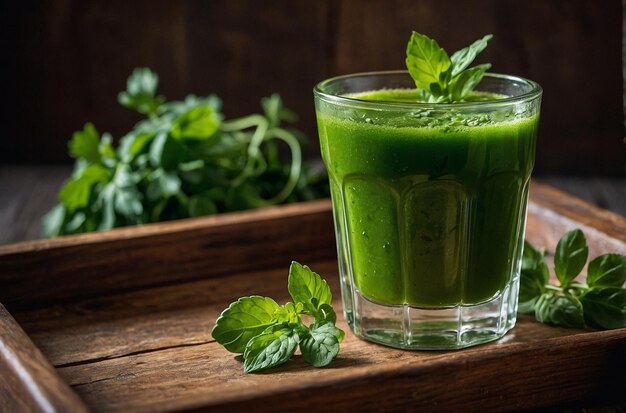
[466,81]
[559,310]
[464,57]
[608,270]
[86,144]
[308,288]
[269,349]
[605,307]
[428,64]
[570,256]
[439,77]
[321,345]
[140,93]
[326,314]
[243,320]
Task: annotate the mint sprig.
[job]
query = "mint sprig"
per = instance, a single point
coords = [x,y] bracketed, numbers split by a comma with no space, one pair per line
[600,302]
[268,334]
[441,78]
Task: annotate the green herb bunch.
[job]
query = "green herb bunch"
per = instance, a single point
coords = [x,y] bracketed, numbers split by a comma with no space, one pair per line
[442,78]
[183,160]
[268,334]
[600,302]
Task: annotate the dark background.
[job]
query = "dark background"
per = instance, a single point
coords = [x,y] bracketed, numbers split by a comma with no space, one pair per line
[66,60]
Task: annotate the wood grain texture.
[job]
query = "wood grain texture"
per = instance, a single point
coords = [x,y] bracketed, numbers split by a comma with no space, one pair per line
[146,346]
[151,350]
[40,272]
[28,383]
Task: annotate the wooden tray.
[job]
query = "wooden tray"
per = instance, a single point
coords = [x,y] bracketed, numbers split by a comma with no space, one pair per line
[120,322]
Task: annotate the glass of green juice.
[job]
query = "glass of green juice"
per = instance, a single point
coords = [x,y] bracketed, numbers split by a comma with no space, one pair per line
[429,204]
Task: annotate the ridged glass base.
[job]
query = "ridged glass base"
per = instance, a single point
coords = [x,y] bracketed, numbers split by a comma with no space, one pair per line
[419,328]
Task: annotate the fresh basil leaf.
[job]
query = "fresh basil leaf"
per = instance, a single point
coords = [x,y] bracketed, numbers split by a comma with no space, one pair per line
[76,192]
[426,61]
[197,123]
[269,350]
[570,256]
[605,307]
[559,310]
[530,289]
[608,270]
[321,345]
[466,81]
[242,320]
[308,288]
[464,57]
[85,144]
[140,92]
[534,259]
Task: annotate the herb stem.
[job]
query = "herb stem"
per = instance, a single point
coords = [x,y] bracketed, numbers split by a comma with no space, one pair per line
[245,122]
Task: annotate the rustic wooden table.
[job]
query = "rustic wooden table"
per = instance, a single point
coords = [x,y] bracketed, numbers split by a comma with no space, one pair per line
[28,192]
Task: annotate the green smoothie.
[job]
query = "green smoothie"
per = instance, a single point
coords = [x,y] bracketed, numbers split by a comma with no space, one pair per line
[431,204]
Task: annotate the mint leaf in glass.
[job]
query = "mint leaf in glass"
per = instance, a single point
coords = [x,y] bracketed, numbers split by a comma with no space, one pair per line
[440,78]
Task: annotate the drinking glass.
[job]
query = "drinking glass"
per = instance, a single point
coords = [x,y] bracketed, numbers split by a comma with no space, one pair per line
[429,204]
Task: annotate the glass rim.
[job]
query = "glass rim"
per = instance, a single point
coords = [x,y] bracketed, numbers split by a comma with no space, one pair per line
[534,93]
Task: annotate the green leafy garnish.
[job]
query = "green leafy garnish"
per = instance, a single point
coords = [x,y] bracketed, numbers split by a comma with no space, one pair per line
[183,160]
[600,302]
[268,334]
[440,78]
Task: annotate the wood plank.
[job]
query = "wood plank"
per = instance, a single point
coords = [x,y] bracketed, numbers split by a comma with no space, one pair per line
[365,377]
[552,213]
[46,271]
[133,352]
[28,383]
[150,319]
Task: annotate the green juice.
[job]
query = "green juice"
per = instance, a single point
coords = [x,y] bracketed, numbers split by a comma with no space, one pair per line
[430,205]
